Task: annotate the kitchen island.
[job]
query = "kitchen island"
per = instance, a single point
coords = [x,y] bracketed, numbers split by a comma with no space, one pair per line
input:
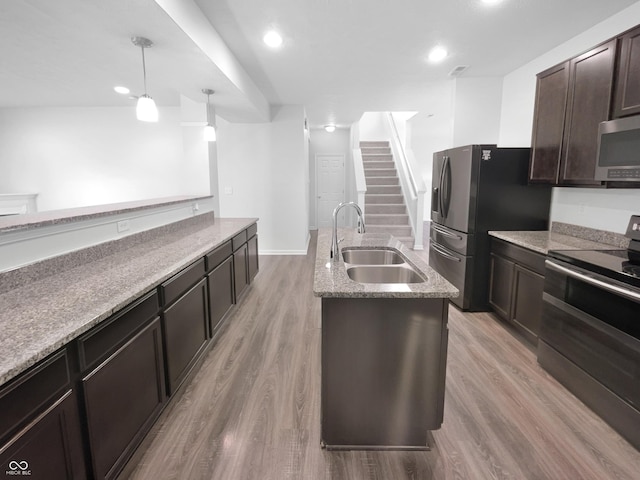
[384,347]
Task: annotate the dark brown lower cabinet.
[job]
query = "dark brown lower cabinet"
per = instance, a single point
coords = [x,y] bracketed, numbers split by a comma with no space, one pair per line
[40,433]
[186,331]
[50,446]
[220,282]
[501,285]
[123,397]
[252,252]
[241,270]
[527,300]
[515,286]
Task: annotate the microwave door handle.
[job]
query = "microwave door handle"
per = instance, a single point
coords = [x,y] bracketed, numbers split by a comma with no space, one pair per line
[446,233]
[616,290]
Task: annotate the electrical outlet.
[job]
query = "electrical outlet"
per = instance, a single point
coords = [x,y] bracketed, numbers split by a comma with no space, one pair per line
[123,226]
[228,190]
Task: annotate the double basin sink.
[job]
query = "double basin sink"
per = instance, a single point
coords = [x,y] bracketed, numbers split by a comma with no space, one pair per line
[379,265]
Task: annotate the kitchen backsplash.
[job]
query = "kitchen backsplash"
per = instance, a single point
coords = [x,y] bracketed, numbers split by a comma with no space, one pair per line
[617,240]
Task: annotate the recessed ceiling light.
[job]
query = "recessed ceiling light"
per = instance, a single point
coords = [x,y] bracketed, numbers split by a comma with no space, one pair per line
[437,54]
[121,90]
[491,2]
[330,128]
[272,39]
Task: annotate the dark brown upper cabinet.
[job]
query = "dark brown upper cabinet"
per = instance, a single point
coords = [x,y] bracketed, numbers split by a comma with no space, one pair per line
[548,124]
[571,100]
[627,85]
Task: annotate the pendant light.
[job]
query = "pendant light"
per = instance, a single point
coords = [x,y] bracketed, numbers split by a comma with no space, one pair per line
[146,109]
[209,129]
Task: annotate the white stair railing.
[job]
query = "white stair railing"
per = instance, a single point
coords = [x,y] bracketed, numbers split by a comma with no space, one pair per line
[413,186]
[361,182]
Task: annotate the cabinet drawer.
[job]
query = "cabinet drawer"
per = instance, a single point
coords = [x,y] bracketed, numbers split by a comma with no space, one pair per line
[181,282]
[239,240]
[27,395]
[252,230]
[219,255]
[101,341]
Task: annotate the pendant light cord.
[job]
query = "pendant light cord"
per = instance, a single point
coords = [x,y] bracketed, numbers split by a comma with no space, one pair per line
[144,72]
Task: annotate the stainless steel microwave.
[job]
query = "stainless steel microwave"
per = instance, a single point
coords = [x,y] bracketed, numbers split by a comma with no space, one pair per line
[619,150]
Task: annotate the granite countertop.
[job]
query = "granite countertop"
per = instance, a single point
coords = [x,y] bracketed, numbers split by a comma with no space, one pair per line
[545,241]
[331,279]
[40,317]
[56,217]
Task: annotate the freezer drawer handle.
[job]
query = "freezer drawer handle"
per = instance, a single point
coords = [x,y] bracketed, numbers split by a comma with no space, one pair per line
[446,233]
[444,253]
[623,292]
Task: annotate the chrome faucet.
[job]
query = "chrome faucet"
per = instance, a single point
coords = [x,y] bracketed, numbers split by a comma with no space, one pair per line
[334,238]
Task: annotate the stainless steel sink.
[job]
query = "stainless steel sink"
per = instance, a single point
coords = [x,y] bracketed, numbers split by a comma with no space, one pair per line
[383,274]
[378,256]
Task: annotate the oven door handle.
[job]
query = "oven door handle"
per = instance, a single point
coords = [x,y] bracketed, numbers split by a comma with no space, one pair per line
[444,253]
[615,289]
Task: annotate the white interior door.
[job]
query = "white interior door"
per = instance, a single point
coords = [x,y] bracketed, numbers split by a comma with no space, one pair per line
[330,188]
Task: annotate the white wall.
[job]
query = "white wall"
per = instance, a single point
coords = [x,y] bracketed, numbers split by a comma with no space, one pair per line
[263,172]
[430,131]
[595,208]
[77,157]
[337,142]
[373,127]
[476,110]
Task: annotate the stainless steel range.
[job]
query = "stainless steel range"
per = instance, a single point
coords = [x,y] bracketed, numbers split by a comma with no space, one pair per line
[590,329]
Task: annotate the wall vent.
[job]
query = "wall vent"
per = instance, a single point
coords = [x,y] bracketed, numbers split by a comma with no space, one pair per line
[457,71]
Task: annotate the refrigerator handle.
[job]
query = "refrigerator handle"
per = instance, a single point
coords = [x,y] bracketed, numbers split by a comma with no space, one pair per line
[444,253]
[439,189]
[435,200]
[445,187]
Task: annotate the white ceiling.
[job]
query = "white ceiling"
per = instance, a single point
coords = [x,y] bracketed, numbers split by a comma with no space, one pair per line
[339,58]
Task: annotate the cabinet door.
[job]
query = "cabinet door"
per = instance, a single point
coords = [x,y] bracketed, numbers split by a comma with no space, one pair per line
[252,247]
[501,285]
[627,87]
[548,124]
[123,397]
[588,104]
[527,305]
[186,333]
[220,292]
[240,268]
[50,446]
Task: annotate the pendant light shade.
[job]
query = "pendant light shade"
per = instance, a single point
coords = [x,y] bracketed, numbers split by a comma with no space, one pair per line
[209,133]
[146,110]
[210,128]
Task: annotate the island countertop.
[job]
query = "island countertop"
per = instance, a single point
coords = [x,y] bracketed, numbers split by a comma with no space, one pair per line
[331,279]
[43,315]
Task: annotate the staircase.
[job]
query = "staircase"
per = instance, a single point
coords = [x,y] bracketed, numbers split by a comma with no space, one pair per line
[385,210]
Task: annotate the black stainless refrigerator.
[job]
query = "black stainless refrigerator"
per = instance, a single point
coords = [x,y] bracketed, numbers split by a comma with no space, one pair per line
[478,188]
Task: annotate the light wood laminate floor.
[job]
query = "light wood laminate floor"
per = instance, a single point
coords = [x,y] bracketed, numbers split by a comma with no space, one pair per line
[253,409]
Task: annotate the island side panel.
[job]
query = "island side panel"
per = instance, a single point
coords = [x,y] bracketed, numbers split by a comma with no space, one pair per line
[383,371]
